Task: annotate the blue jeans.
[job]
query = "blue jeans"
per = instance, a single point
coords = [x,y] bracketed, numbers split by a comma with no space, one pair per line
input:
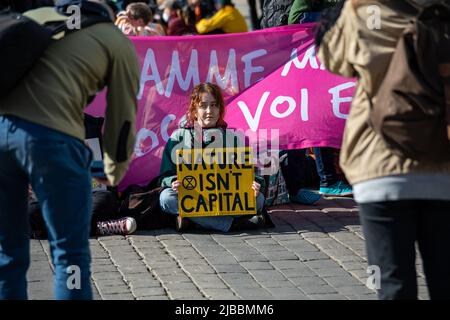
[325,166]
[57,167]
[295,170]
[168,200]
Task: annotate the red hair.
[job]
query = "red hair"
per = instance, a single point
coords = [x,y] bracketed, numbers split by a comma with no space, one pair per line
[195,99]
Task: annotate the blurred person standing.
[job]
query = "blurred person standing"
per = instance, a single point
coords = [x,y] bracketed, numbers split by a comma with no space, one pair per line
[42,144]
[227,19]
[402,200]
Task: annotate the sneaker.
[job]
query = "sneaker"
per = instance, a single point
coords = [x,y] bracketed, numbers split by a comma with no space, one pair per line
[123,226]
[339,189]
[248,222]
[307,197]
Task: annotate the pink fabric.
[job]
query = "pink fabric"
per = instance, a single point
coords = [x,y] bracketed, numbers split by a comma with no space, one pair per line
[274,82]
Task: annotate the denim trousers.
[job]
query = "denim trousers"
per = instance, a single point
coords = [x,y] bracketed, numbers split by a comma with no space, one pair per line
[57,167]
[392,229]
[295,171]
[168,200]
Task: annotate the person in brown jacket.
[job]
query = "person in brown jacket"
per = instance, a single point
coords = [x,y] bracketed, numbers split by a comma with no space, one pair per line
[402,201]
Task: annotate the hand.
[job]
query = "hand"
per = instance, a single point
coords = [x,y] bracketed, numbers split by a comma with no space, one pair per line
[103,181]
[256,186]
[175,185]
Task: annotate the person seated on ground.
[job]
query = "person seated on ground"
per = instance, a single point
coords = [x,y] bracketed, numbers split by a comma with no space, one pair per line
[137,21]
[201,8]
[105,219]
[173,15]
[205,112]
[227,19]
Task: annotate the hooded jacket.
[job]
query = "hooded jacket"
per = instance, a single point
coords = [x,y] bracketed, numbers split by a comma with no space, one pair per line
[352,49]
[185,138]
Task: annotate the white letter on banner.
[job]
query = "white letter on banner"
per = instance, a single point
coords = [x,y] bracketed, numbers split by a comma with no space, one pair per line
[304,105]
[253,123]
[150,62]
[280,100]
[165,124]
[230,71]
[139,147]
[337,100]
[249,69]
[175,72]
[310,56]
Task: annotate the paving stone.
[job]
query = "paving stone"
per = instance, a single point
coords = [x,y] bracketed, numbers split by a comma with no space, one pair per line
[252,258]
[200,269]
[230,268]
[288,264]
[342,281]
[322,296]
[329,272]
[280,255]
[107,275]
[307,281]
[268,248]
[110,282]
[257,265]
[321,264]
[219,294]
[315,289]
[352,290]
[267,275]
[118,296]
[153,298]
[142,292]
[311,256]
[112,289]
[277,284]
[185,294]
[180,286]
[287,292]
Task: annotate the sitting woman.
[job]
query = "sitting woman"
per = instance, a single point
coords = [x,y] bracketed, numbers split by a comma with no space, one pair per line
[137,21]
[206,113]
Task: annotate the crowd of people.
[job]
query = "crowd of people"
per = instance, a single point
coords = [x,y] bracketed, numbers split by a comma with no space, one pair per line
[401,200]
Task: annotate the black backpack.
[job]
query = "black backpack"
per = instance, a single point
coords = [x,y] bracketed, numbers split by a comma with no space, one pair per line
[23,41]
[275,13]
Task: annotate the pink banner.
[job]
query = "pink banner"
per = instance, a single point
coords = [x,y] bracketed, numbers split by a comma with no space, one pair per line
[275,88]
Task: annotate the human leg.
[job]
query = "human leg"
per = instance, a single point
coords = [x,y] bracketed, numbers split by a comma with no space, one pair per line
[390,231]
[14,227]
[329,183]
[434,242]
[58,167]
[169,203]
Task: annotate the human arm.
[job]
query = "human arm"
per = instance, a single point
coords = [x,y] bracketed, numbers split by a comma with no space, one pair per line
[122,86]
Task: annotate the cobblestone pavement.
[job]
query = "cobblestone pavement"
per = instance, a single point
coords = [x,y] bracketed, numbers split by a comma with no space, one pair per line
[314,252]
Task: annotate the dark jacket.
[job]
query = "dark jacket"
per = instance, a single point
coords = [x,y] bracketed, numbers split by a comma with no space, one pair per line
[184,138]
[275,13]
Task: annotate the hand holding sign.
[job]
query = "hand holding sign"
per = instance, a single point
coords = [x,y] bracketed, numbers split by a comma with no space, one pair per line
[256,186]
[175,185]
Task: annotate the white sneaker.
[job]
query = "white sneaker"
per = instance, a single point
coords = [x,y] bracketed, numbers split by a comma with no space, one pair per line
[123,226]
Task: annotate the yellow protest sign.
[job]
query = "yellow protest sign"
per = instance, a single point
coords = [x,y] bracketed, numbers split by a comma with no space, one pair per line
[215,182]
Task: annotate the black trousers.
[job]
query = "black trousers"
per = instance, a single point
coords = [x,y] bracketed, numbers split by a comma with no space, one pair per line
[392,229]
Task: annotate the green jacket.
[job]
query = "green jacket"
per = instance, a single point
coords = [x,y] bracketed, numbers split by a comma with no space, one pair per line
[56,90]
[184,138]
[308,6]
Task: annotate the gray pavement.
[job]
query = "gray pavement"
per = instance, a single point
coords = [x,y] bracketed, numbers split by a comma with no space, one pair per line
[314,252]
